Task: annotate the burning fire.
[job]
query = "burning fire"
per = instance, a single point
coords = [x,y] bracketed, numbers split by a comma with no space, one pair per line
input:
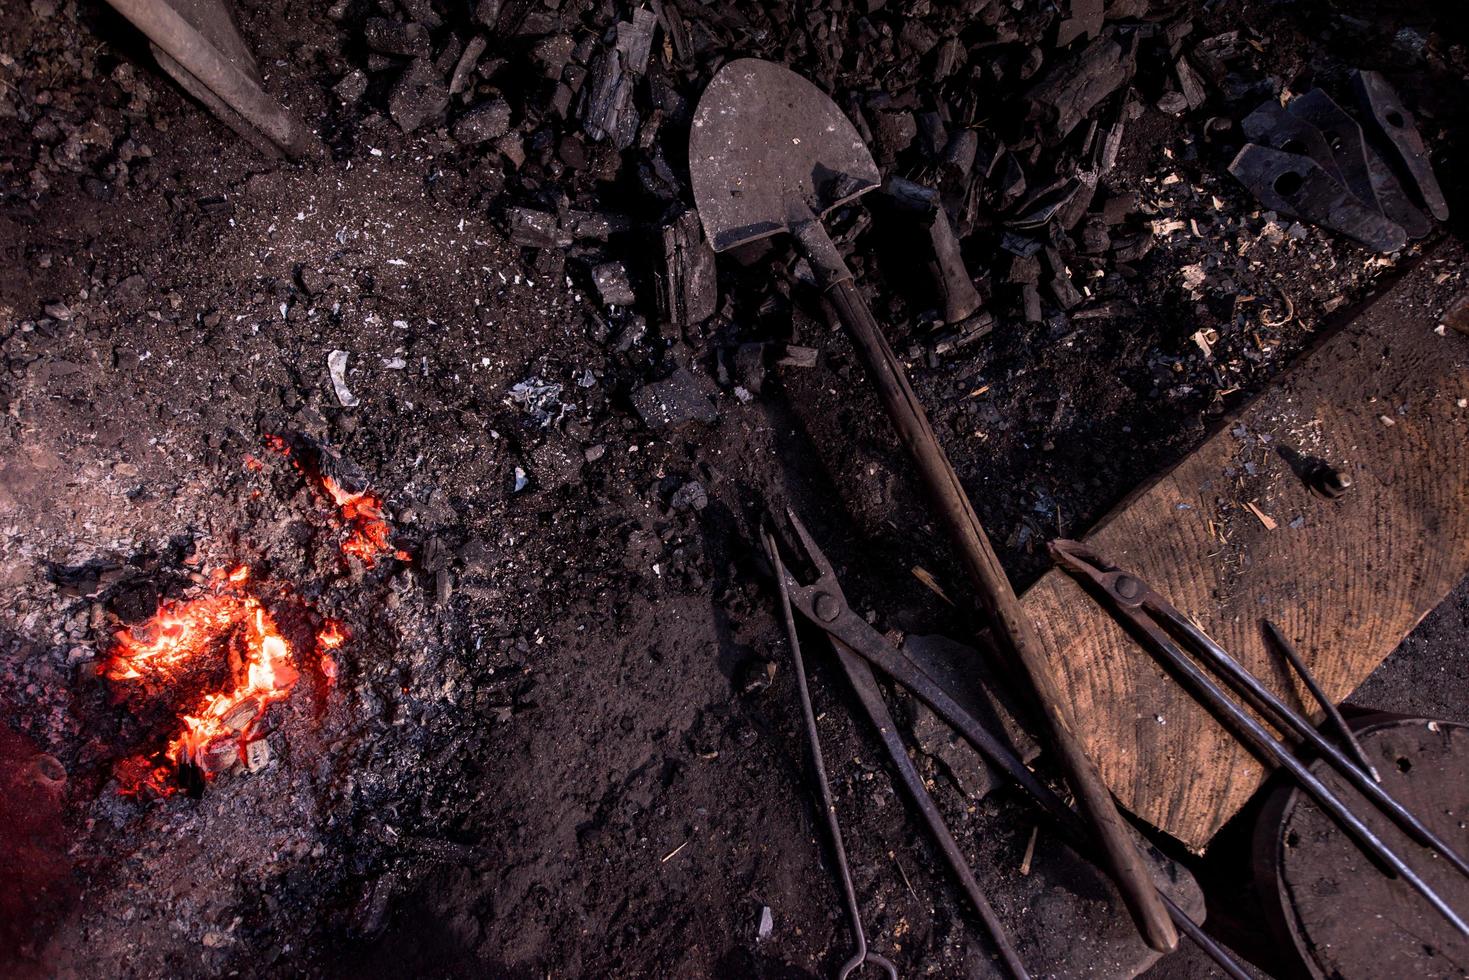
[220,730]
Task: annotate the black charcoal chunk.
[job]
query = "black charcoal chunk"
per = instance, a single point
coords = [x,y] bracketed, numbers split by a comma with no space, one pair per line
[536,229]
[487,12]
[486,121]
[673,402]
[688,288]
[613,287]
[404,40]
[468,61]
[1070,91]
[418,97]
[1083,20]
[945,262]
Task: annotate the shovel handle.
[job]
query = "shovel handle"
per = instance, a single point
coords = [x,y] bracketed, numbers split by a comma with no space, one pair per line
[1015,633]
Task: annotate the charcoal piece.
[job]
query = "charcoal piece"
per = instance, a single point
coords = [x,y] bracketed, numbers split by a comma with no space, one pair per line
[418,96]
[387,37]
[593,225]
[1172,103]
[1030,297]
[945,262]
[487,12]
[486,121]
[673,402]
[572,151]
[1021,245]
[610,280]
[894,133]
[1007,184]
[1070,91]
[947,59]
[1095,239]
[467,63]
[351,86]
[512,147]
[916,38]
[1083,20]
[553,54]
[1132,248]
[635,40]
[536,229]
[957,158]
[1024,269]
[561,100]
[609,113]
[798,357]
[933,137]
[423,12]
[688,288]
[963,333]
[1190,84]
[1064,291]
[448,57]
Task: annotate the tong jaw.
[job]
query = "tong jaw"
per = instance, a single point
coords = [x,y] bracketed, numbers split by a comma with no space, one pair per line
[1124,589]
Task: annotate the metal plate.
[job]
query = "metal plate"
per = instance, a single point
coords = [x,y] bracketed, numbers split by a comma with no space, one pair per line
[767,147]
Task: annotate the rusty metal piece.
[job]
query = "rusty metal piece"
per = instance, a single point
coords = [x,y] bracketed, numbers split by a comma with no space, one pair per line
[1364,172]
[766,143]
[1297,185]
[1399,134]
[197,42]
[1270,125]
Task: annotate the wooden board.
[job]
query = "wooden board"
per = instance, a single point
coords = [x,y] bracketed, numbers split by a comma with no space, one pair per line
[1382,399]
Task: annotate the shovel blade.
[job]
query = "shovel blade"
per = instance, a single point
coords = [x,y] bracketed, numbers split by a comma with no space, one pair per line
[768,148]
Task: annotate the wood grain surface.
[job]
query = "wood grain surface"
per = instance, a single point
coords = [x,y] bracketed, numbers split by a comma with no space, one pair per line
[1231,534]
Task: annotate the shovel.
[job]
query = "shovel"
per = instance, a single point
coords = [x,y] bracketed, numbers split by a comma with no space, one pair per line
[769,153]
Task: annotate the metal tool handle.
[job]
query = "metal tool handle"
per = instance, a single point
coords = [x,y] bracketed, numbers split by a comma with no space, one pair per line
[1014,631]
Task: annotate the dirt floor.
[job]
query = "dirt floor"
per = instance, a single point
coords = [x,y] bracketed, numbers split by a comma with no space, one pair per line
[561,736]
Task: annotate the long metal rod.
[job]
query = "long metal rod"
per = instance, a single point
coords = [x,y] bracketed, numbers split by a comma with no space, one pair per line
[1247,684]
[861,954]
[911,675]
[865,684]
[1073,829]
[1349,737]
[1263,743]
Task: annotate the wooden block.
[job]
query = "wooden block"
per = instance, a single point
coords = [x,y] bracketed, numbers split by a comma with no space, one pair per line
[1382,399]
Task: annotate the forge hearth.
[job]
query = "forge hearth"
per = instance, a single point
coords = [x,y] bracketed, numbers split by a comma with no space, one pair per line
[380,581]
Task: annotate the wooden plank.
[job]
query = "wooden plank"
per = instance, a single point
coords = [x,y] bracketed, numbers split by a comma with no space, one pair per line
[1383,399]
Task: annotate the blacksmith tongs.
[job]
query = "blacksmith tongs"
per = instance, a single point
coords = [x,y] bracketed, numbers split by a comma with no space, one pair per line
[857,646]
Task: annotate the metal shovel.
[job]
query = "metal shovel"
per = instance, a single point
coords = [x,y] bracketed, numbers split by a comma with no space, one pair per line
[769,152]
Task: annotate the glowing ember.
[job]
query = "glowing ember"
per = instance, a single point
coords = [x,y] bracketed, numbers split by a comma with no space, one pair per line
[368,534]
[218,731]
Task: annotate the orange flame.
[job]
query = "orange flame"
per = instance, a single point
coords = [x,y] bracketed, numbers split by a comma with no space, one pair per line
[183,630]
